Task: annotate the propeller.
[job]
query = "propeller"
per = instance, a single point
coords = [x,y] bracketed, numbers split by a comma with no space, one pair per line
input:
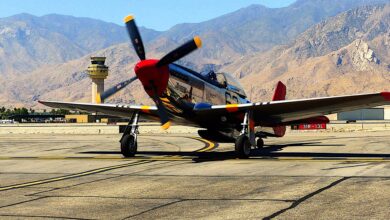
[135,37]
[162,112]
[180,52]
[118,87]
[154,74]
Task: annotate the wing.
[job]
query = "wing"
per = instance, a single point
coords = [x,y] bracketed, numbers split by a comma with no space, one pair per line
[126,111]
[283,112]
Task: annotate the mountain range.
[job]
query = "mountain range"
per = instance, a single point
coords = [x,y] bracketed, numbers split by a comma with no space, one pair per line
[344,54]
[317,47]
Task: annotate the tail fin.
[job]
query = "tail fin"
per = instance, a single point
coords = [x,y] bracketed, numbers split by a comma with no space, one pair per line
[280,92]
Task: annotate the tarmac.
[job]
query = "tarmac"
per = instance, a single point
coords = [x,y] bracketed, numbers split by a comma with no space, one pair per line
[332,175]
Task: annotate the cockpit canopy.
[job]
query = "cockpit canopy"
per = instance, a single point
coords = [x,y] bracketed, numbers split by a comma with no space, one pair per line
[227,81]
[233,84]
[222,80]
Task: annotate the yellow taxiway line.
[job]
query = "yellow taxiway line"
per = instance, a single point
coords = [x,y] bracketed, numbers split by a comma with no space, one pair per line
[209,145]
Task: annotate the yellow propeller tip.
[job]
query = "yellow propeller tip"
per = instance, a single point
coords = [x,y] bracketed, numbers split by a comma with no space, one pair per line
[198,41]
[166,125]
[128,18]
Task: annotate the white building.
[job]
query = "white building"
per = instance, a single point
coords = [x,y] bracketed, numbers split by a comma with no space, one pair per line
[377,113]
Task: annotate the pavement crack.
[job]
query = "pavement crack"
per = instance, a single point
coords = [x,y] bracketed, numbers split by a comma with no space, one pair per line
[306,197]
[18,203]
[168,164]
[70,186]
[344,167]
[157,207]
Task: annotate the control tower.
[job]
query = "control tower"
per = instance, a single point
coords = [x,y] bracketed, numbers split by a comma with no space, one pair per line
[98,73]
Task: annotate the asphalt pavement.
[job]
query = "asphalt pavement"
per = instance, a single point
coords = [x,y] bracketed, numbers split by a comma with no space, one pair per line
[181,176]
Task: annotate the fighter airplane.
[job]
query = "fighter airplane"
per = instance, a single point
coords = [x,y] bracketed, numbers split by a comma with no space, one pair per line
[213,101]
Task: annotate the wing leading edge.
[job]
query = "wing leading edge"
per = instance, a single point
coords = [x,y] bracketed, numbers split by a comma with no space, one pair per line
[109,109]
[284,111]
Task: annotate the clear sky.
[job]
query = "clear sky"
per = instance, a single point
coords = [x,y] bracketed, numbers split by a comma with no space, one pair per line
[156,14]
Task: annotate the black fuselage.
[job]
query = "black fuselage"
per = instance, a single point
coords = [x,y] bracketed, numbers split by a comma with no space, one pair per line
[188,90]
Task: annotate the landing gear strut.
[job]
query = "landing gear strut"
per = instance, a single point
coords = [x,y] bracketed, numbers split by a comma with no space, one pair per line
[129,137]
[246,140]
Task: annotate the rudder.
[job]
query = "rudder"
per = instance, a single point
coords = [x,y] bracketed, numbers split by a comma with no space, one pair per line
[280,92]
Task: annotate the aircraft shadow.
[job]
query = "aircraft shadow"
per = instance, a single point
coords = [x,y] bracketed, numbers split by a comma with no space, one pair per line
[269,151]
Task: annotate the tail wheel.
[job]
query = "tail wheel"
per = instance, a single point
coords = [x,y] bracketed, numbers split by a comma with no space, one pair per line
[242,147]
[260,143]
[129,146]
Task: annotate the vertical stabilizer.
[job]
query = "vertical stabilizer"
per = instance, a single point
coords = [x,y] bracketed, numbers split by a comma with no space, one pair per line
[280,92]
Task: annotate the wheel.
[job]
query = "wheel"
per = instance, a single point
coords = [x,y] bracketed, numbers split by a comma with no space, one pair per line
[243,147]
[128,145]
[260,143]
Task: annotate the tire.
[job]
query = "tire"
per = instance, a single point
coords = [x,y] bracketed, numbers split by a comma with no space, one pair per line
[260,143]
[242,147]
[128,146]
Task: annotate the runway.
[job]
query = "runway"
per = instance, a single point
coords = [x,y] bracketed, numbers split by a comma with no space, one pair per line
[181,176]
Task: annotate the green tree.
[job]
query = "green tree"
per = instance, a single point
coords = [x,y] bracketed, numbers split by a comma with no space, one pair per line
[24,111]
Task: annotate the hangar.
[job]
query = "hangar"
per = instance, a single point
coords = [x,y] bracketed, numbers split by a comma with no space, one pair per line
[377,113]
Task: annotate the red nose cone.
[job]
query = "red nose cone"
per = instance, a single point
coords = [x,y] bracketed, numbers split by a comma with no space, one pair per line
[152,76]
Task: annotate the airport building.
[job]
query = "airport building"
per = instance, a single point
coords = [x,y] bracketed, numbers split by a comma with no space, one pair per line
[377,113]
[79,118]
[37,118]
[94,118]
[98,72]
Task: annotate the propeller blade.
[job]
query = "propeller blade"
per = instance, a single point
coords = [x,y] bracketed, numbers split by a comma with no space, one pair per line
[135,36]
[180,52]
[162,111]
[118,87]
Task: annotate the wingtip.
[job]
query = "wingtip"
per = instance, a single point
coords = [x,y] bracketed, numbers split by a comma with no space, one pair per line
[386,95]
[42,102]
[166,125]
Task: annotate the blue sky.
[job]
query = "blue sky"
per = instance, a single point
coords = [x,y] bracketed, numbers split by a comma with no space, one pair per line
[156,14]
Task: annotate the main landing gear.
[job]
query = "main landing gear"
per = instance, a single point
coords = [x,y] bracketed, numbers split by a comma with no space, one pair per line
[129,138]
[243,146]
[247,138]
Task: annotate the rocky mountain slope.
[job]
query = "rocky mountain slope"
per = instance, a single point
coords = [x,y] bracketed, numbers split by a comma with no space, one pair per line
[28,42]
[352,45]
[254,29]
[343,55]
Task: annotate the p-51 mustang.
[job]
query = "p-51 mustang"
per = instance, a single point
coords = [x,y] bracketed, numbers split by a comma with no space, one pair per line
[214,101]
